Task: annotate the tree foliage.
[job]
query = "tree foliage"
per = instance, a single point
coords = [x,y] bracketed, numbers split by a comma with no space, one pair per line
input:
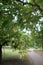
[15,15]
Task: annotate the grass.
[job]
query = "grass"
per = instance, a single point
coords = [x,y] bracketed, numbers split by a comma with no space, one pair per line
[10,53]
[14,57]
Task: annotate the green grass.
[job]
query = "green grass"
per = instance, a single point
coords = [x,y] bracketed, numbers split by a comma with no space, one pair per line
[10,53]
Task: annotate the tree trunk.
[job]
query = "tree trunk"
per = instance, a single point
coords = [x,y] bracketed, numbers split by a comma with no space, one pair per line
[42,41]
[0,54]
[42,46]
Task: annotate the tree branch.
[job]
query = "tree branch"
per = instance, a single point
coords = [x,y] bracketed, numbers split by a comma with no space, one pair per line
[38,6]
[31,4]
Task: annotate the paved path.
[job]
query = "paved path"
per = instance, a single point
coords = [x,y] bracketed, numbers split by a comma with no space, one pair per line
[36,58]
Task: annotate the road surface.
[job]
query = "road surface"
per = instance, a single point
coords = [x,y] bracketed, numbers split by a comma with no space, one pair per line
[36,58]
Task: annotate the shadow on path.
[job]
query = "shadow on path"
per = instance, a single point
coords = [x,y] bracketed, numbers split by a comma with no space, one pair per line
[15,61]
[36,58]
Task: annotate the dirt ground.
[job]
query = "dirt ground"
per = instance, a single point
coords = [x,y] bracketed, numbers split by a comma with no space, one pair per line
[16,61]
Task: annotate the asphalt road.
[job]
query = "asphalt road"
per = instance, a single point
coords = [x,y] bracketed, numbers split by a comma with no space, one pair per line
[36,58]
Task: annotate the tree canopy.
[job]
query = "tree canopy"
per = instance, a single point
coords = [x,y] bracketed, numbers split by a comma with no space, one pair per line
[16,15]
